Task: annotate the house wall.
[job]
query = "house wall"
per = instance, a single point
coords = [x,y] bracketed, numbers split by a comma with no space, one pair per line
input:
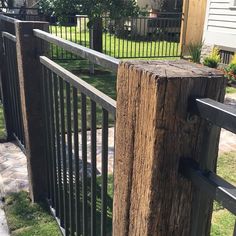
[220,23]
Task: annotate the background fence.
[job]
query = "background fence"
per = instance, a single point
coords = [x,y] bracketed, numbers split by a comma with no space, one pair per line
[140,37]
[131,37]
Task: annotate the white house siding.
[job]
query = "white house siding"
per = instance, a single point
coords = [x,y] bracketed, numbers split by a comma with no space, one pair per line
[220,24]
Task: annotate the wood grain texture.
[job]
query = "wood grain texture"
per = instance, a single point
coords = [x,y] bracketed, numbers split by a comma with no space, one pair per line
[152,135]
[29,70]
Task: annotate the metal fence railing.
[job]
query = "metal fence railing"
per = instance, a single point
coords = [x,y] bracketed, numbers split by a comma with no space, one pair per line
[79,123]
[12,97]
[130,37]
[133,37]
[209,184]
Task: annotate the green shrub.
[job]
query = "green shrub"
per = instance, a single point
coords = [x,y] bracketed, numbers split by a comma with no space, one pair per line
[230,71]
[195,51]
[213,59]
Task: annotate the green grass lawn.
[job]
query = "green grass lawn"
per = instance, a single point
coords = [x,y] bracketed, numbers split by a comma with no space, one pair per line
[118,47]
[223,221]
[230,90]
[27,219]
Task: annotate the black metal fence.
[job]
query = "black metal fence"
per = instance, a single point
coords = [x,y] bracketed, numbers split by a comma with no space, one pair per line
[11,88]
[131,37]
[79,120]
[209,184]
[139,37]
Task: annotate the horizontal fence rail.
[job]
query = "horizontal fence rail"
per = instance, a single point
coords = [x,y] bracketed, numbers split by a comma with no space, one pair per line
[102,99]
[211,184]
[219,114]
[205,181]
[92,55]
[7,18]
[13,94]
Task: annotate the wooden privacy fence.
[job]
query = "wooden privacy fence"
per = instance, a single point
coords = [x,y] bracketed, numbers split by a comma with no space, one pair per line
[167,117]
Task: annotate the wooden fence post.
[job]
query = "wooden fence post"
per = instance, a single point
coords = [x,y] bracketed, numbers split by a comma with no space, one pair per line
[28,51]
[153,133]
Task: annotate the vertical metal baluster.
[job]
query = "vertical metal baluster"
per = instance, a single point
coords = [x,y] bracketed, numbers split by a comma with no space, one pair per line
[53,151]
[94,167]
[48,118]
[172,26]
[104,170]
[84,165]
[80,31]
[17,91]
[76,158]
[58,149]
[140,27]
[135,37]
[159,38]
[62,50]
[105,35]
[63,152]
[13,87]
[69,150]
[10,86]
[163,37]
[168,35]
[144,41]
[9,75]
[127,46]
[119,45]
[57,53]
[44,98]
[123,45]
[115,42]
[131,38]
[85,32]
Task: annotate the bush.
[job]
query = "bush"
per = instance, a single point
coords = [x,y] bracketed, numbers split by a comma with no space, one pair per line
[230,71]
[195,51]
[213,59]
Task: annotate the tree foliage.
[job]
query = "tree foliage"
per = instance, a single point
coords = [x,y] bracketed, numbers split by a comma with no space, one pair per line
[92,8]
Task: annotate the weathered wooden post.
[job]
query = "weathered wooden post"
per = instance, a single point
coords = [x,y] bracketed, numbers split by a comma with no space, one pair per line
[153,133]
[29,69]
